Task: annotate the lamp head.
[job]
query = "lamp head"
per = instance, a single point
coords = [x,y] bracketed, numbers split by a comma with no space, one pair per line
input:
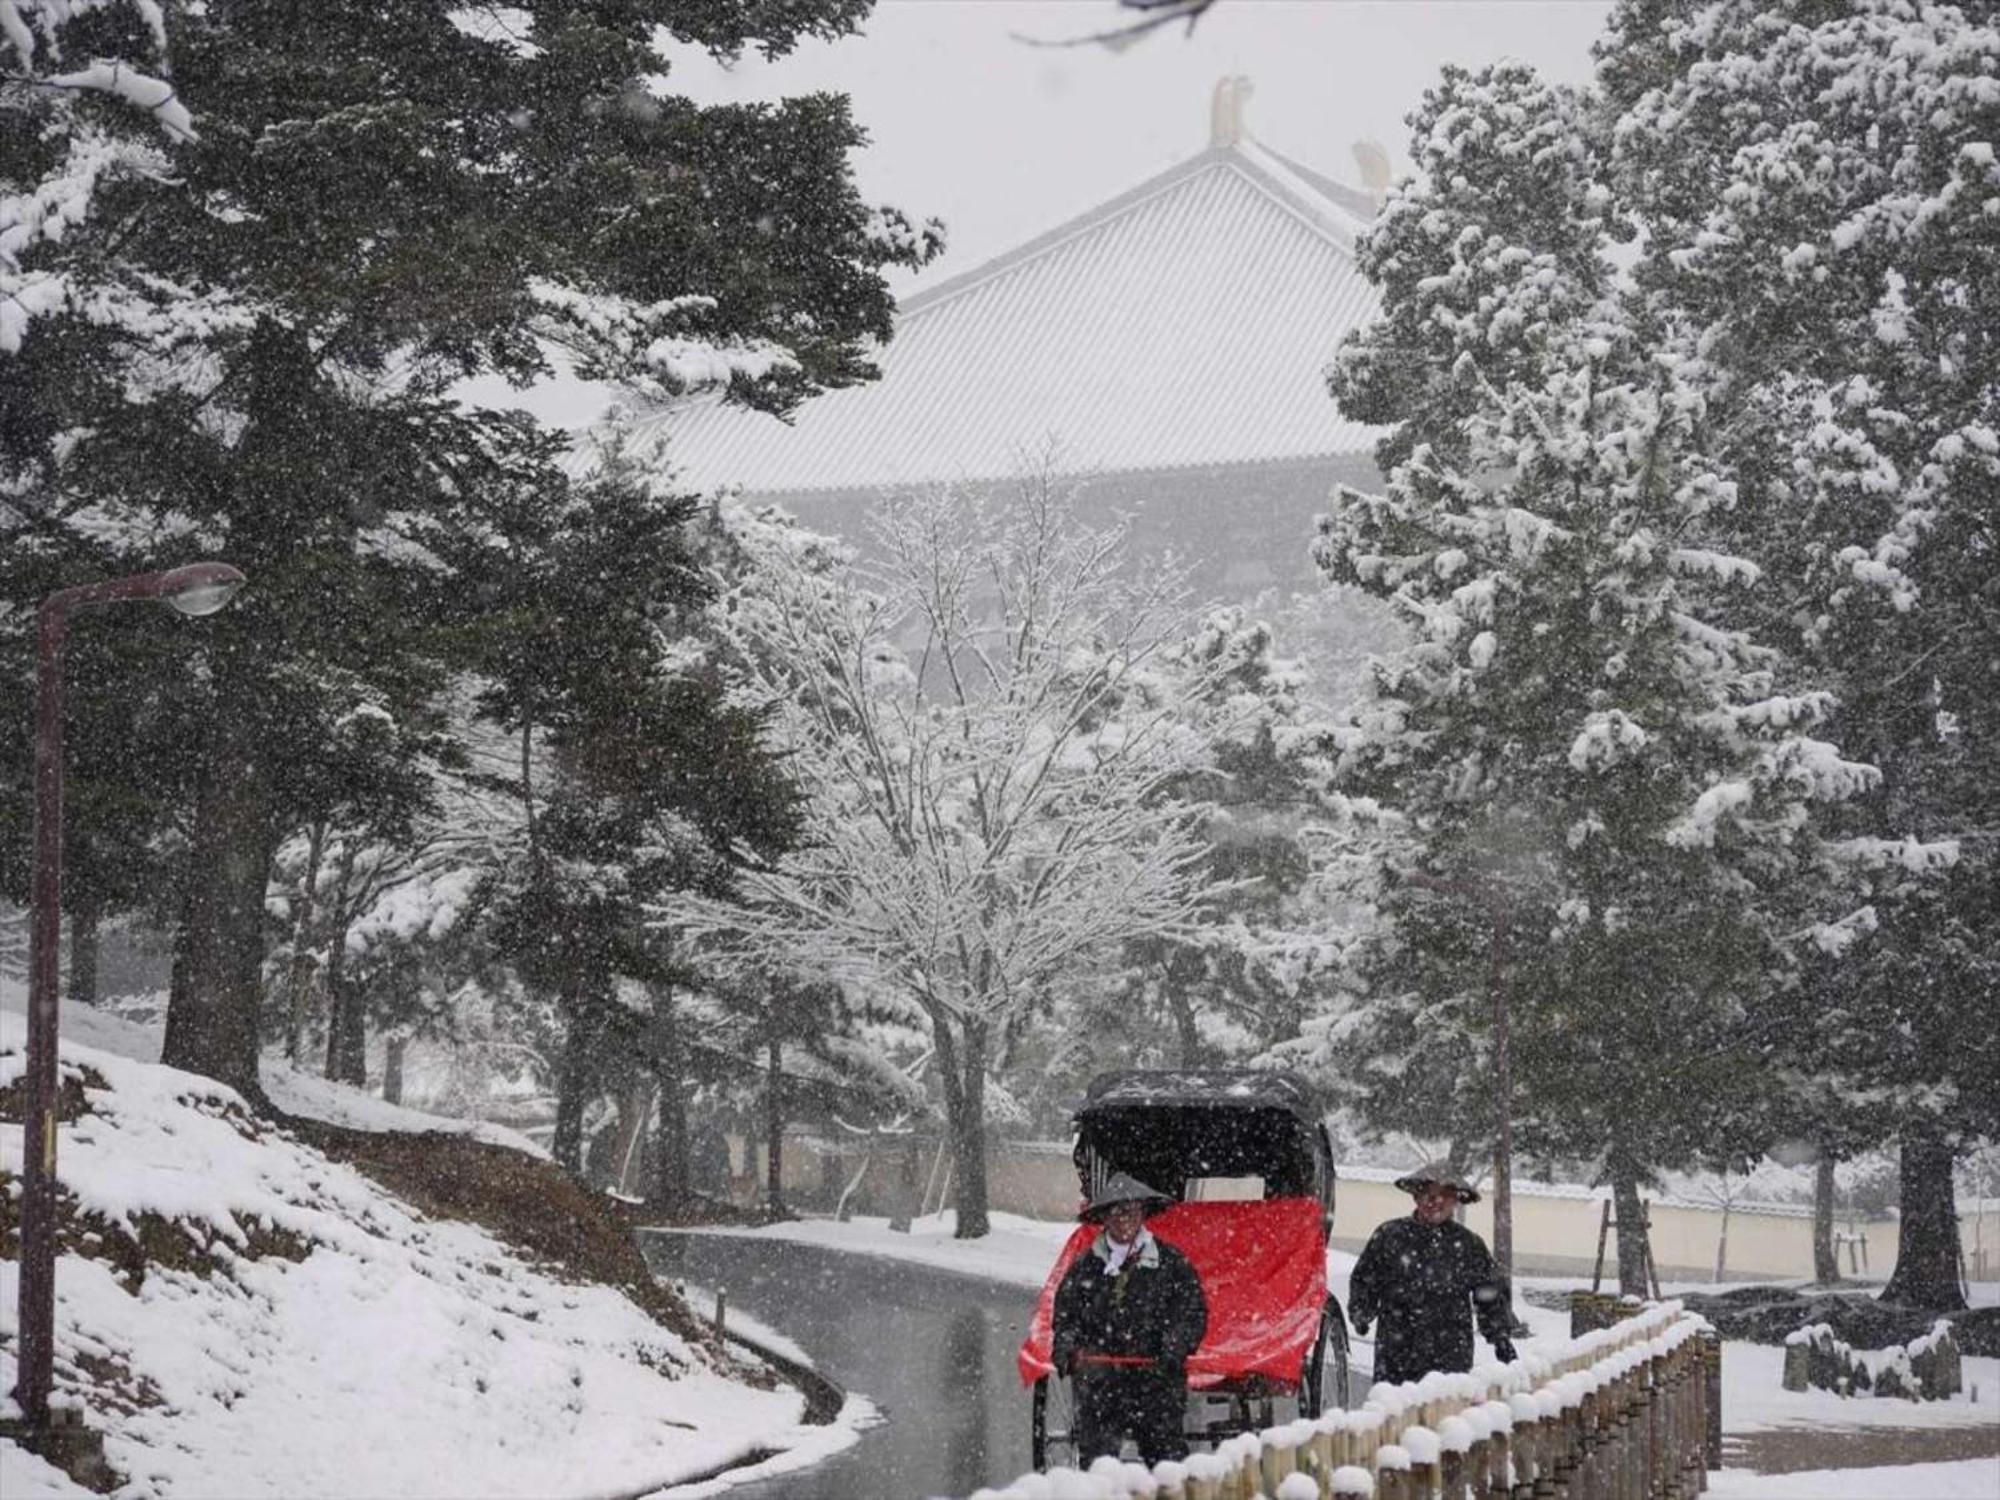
[201,588]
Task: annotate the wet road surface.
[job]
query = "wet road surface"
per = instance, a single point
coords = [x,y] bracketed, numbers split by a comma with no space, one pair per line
[934,1351]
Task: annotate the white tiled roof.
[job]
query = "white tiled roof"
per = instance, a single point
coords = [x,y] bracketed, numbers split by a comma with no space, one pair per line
[1186,323]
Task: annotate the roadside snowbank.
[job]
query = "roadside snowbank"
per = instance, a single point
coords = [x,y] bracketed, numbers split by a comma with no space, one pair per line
[292,1329]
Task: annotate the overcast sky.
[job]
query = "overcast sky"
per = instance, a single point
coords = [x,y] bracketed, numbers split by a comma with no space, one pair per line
[1003,140]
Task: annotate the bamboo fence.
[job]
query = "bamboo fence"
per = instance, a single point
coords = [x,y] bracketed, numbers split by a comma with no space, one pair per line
[1629,1412]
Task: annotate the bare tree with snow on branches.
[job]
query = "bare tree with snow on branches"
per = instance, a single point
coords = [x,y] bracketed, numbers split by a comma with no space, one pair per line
[1001,765]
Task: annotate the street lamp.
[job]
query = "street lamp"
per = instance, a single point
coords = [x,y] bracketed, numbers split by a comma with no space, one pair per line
[1499,913]
[197,589]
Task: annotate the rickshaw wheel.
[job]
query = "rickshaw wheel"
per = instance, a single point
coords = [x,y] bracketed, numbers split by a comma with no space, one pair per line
[1052,1425]
[1325,1378]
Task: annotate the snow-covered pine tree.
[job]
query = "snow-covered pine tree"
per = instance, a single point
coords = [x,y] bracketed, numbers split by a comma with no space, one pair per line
[246,252]
[1822,199]
[1583,747]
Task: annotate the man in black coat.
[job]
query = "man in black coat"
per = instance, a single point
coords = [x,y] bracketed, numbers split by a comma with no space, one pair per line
[1128,1313]
[1426,1277]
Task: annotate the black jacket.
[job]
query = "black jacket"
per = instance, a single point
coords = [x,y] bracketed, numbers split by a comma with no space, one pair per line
[1153,1307]
[1424,1282]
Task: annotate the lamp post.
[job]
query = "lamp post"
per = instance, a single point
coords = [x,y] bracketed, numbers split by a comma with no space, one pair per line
[1499,912]
[197,589]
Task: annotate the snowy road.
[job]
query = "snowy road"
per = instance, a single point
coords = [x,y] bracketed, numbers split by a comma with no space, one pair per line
[933,1350]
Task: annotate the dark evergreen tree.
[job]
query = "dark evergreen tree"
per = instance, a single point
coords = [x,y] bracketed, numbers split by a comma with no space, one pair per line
[1585,748]
[235,307]
[1818,196]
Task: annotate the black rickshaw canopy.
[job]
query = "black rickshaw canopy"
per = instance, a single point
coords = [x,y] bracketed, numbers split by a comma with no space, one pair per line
[1168,1125]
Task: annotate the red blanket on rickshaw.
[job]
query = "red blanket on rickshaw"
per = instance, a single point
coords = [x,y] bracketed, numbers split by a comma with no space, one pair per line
[1263,1270]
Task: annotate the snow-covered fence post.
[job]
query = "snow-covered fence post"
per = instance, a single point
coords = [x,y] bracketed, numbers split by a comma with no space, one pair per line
[1631,1455]
[1475,1482]
[1694,1420]
[1597,1431]
[1711,1390]
[1566,1447]
[1352,1482]
[1455,1442]
[1277,1458]
[1673,1459]
[1239,1457]
[1498,1483]
[1572,1466]
[1392,1473]
[1589,1481]
[1421,1443]
[1361,1434]
[1324,1445]
[1657,1475]
[1528,1435]
[1632,1425]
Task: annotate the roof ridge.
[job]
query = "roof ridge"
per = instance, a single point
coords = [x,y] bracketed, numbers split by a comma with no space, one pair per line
[1351,199]
[1228,157]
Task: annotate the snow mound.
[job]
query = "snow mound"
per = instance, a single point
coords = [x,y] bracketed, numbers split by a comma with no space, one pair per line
[241,1315]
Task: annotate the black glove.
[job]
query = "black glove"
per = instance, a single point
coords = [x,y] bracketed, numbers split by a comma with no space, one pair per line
[1504,1347]
[1360,1325]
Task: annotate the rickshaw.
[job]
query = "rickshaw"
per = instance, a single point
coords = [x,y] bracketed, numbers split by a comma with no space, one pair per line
[1246,1158]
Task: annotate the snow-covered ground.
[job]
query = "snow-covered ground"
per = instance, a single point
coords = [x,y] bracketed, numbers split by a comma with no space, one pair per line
[299,1093]
[701,1302]
[1969,1479]
[306,1333]
[1019,1251]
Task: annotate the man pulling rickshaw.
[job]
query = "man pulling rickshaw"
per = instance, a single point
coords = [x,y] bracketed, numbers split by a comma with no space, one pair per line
[1128,1314]
[1207,1195]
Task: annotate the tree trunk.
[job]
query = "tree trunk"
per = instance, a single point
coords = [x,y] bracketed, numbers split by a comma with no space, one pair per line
[574,1076]
[392,1070]
[1826,1260]
[347,1012]
[1926,1273]
[673,1170]
[1631,1214]
[774,1131]
[83,926]
[966,1108]
[1180,975]
[905,1212]
[298,977]
[212,1020]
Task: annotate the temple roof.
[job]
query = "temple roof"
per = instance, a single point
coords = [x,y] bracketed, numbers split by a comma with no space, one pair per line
[1186,323]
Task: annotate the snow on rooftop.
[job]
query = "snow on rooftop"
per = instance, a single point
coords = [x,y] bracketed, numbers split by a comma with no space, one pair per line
[1184,324]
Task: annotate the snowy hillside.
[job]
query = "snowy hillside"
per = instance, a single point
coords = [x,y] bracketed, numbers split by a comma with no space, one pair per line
[241,1315]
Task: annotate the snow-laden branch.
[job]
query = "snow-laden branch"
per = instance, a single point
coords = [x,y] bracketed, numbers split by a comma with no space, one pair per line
[657,347]
[999,751]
